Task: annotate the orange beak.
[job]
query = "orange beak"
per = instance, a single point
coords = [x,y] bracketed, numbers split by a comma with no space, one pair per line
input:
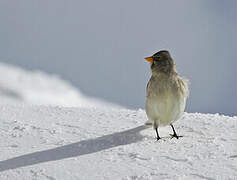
[150,59]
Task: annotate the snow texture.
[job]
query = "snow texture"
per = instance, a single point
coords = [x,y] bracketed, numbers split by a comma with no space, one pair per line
[41,142]
[35,87]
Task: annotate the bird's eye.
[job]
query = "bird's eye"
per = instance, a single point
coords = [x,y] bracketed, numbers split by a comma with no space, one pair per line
[157,58]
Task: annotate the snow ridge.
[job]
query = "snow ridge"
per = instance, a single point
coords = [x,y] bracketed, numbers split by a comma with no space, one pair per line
[18,85]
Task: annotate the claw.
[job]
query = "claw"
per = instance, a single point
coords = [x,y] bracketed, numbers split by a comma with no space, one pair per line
[175,135]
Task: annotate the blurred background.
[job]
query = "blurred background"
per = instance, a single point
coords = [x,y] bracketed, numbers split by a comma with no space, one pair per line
[99,46]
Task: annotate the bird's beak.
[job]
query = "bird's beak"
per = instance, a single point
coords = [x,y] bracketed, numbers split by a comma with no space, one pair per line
[150,59]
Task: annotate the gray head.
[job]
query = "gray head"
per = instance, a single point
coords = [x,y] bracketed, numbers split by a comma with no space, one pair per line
[161,62]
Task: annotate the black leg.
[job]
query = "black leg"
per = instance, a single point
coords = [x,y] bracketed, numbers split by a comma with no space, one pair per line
[157,134]
[174,135]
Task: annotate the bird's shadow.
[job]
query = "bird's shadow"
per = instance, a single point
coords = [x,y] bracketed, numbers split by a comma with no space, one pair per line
[75,149]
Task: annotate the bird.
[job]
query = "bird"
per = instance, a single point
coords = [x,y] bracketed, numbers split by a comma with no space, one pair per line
[166,92]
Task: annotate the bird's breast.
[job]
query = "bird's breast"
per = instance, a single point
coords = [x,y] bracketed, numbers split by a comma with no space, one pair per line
[164,104]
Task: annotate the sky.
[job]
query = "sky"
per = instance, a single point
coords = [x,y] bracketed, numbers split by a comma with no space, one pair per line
[99,46]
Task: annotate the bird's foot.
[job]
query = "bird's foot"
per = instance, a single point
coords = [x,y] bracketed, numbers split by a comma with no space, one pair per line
[158,138]
[175,135]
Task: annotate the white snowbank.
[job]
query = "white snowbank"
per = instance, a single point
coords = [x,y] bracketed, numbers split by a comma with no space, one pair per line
[42,143]
[36,87]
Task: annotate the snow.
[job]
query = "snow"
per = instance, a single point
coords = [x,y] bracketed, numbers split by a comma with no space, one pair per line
[39,88]
[46,142]
[40,142]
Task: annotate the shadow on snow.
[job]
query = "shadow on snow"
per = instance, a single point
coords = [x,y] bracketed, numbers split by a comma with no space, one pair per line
[75,149]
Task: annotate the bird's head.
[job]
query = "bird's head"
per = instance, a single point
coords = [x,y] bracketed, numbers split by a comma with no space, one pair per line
[161,62]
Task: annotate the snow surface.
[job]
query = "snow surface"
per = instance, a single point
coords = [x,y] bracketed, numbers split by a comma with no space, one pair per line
[40,142]
[18,85]
[95,141]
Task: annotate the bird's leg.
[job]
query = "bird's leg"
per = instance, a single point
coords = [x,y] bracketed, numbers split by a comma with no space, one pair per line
[174,135]
[157,134]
